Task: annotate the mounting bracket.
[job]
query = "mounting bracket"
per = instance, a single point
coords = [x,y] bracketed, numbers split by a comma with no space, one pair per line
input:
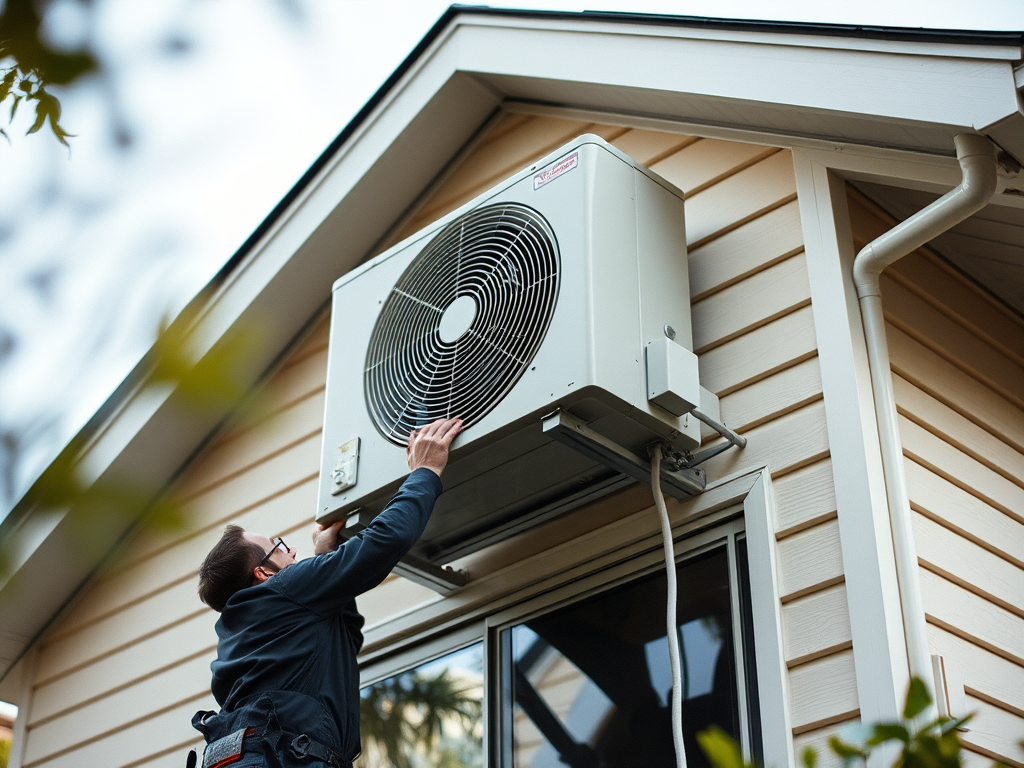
[684,483]
[443,579]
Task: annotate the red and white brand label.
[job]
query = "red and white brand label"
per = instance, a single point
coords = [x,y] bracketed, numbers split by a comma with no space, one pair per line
[556,169]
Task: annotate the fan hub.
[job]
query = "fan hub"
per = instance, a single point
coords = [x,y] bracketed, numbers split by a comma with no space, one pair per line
[457,319]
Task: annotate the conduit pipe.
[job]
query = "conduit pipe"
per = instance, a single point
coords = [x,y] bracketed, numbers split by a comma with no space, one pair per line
[977,163]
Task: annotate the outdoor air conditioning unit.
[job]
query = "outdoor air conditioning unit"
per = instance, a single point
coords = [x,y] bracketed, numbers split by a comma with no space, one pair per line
[562,290]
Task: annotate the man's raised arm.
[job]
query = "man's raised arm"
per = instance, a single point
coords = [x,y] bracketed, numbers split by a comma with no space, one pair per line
[339,573]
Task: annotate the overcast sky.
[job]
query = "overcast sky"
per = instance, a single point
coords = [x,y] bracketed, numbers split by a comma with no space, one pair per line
[206,113]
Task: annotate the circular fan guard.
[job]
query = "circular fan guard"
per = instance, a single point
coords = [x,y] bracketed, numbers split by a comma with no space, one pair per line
[505,258]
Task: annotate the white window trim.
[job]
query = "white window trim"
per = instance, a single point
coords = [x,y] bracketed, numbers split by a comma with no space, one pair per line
[593,561]
[872,591]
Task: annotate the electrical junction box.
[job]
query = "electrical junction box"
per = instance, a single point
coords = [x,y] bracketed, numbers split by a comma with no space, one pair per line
[673,382]
[541,294]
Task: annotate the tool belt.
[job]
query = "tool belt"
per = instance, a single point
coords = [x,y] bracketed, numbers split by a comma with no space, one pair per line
[227,750]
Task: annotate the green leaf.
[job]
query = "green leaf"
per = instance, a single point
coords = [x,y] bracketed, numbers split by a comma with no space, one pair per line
[918,699]
[14,106]
[4,134]
[953,723]
[844,750]
[7,83]
[48,108]
[809,757]
[720,748]
[884,732]
[42,112]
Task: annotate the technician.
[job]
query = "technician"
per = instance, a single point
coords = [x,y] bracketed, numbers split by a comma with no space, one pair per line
[285,676]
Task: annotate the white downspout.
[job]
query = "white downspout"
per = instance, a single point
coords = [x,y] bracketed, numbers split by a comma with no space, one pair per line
[977,163]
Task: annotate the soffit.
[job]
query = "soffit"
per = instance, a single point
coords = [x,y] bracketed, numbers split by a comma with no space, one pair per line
[988,246]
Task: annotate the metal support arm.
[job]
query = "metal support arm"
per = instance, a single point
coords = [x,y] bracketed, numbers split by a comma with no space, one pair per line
[443,579]
[567,429]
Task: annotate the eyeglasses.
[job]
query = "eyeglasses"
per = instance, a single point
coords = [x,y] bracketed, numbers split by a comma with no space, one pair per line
[280,543]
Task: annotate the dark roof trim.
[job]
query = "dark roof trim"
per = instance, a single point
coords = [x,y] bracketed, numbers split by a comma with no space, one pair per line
[871,32]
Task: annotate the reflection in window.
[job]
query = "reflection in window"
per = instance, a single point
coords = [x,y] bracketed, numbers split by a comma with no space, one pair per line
[428,717]
[591,683]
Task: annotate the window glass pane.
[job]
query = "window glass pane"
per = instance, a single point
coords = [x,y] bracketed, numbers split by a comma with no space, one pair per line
[427,717]
[591,683]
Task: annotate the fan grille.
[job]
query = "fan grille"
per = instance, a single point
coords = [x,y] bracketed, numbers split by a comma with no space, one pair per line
[505,258]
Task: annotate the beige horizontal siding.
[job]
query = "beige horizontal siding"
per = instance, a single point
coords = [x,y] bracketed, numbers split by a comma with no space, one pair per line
[958,374]
[742,307]
[804,498]
[810,559]
[817,740]
[769,398]
[740,253]
[816,625]
[995,733]
[964,513]
[134,651]
[759,354]
[971,616]
[823,692]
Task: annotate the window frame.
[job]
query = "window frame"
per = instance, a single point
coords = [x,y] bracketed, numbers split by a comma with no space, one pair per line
[727,531]
[735,506]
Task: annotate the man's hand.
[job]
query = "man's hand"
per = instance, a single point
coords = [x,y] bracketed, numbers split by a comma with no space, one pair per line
[325,537]
[428,447]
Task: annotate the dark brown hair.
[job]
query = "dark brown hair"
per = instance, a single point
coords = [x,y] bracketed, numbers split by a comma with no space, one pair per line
[228,568]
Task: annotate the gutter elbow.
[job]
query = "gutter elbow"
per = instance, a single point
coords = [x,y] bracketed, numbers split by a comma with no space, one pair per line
[978,183]
[866,272]
[977,160]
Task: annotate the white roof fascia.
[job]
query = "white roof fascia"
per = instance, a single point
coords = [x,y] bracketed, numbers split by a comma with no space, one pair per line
[916,89]
[834,42]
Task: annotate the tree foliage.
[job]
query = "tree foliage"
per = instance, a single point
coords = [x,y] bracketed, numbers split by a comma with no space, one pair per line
[405,715]
[30,66]
[98,508]
[933,744]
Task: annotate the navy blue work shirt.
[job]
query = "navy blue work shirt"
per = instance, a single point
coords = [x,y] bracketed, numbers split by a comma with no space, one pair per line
[288,645]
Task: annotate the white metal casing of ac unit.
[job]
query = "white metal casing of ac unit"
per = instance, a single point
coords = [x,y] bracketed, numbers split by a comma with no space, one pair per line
[623,279]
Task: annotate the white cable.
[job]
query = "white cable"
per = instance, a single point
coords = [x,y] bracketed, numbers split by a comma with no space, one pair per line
[673,632]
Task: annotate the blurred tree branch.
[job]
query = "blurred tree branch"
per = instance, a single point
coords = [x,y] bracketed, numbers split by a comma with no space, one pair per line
[934,744]
[212,383]
[29,65]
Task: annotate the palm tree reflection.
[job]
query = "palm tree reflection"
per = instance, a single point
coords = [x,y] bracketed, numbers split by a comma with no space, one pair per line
[424,718]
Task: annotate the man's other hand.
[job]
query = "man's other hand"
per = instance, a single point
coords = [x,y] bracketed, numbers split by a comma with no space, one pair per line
[428,447]
[325,537]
